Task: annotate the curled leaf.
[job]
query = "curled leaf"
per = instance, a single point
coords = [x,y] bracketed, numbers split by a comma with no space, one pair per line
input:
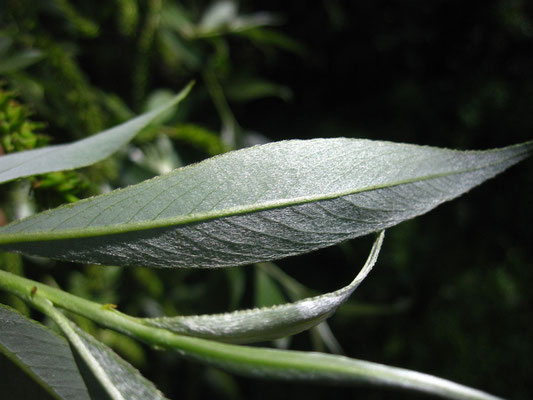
[261,324]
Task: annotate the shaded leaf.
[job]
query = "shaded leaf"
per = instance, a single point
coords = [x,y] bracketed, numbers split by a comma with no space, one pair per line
[260,203]
[107,375]
[264,37]
[267,292]
[18,61]
[81,153]
[42,354]
[247,89]
[261,324]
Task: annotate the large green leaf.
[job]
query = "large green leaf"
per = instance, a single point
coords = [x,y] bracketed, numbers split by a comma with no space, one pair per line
[261,324]
[42,354]
[83,152]
[260,203]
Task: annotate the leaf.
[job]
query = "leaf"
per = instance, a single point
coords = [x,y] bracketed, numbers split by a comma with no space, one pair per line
[222,17]
[42,354]
[262,324]
[18,61]
[260,203]
[248,89]
[267,292]
[264,37]
[82,152]
[108,375]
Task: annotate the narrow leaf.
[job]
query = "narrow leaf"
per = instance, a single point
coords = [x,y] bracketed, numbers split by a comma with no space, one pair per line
[111,376]
[42,354]
[258,204]
[261,324]
[83,152]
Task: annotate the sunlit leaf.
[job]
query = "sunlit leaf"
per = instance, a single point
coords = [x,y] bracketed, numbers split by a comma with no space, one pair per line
[81,153]
[261,203]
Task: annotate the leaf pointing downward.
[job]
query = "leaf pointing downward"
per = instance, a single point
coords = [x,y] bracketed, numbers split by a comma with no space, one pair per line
[261,324]
[258,204]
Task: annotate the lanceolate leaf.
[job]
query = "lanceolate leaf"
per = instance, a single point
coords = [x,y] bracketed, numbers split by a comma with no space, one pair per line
[108,376]
[81,153]
[261,324]
[260,203]
[42,354]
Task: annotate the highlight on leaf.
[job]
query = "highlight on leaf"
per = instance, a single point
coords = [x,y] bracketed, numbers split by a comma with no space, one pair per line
[258,204]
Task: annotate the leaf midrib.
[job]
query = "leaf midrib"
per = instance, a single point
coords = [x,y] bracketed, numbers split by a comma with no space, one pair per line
[108,230]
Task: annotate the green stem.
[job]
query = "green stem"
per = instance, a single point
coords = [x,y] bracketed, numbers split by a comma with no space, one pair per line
[243,360]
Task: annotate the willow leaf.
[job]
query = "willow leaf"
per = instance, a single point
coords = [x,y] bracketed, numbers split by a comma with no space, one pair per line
[108,376]
[82,152]
[261,324]
[43,355]
[257,204]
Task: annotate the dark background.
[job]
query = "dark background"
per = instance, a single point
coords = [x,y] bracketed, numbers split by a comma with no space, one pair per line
[444,73]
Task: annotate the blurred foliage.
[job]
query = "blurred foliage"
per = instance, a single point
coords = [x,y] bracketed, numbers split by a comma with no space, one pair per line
[450,295]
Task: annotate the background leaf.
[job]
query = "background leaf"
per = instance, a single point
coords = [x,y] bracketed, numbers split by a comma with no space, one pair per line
[260,203]
[42,354]
[81,153]
[20,60]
